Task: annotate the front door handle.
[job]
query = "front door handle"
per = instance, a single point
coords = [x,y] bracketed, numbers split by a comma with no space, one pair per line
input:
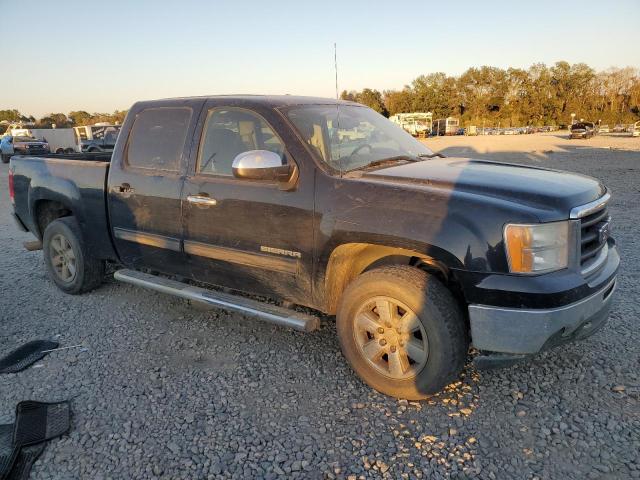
[202,200]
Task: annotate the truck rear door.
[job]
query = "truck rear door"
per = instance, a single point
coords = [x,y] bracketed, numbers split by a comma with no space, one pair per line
[246,234]
[145,184]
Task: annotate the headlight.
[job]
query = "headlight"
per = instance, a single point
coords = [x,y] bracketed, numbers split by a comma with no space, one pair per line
[537,248]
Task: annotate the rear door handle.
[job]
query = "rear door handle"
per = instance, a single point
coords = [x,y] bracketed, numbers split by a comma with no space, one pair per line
[202,200]
[125,189]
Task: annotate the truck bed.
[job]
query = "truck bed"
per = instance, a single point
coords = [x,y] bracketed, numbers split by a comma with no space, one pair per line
[75,182]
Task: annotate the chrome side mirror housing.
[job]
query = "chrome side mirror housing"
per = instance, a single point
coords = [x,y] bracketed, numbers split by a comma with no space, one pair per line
[261,165]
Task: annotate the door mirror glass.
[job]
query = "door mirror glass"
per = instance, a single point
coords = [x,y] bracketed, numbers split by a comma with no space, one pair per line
[260,165]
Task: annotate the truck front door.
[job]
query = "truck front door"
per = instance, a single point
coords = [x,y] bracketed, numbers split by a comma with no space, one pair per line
[244,234]
[145,183]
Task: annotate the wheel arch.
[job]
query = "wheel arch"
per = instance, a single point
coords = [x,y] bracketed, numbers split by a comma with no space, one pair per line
[347,261]
[46,211]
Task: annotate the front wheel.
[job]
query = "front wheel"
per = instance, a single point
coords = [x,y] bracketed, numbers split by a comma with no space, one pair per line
[69,263]
[6,158]
[402,332]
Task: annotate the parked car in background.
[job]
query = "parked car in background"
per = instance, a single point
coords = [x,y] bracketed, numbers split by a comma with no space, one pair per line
[635,132]
[417,255]
[97,138]
[618,128]
[471,130]
[21,145]
[604,129]
[60,140]
[582,130]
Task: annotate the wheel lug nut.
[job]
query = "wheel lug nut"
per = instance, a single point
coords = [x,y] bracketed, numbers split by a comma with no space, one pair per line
[383,342]
[393,348]
[380,330]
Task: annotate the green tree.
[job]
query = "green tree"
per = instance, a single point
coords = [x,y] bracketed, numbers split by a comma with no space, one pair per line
[80,118]
[10,115]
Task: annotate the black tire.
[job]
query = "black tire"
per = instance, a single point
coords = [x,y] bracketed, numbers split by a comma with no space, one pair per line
[439,314]
[89,271]
[6,158]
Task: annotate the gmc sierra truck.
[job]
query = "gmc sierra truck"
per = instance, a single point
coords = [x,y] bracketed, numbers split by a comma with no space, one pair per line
[326,204]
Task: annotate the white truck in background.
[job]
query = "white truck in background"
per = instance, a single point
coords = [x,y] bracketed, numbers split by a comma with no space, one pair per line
[418,124]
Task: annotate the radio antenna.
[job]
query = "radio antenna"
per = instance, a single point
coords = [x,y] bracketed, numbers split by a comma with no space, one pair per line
[335,64]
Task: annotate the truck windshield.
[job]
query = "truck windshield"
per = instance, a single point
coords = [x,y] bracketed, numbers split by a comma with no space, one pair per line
[349,137]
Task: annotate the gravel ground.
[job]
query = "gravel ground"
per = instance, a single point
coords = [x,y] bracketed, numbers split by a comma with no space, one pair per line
[167,391]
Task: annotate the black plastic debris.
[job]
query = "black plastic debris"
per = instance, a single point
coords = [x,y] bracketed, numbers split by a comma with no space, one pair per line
[39,421]
[26,458]
[26,355]
[6,449]
[22,442]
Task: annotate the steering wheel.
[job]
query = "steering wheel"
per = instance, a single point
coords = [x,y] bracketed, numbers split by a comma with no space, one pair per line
[360,147]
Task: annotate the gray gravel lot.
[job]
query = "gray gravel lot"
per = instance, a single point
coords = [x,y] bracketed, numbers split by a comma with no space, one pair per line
[167,391]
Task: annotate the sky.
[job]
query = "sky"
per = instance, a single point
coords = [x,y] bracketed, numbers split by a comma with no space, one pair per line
[65,55]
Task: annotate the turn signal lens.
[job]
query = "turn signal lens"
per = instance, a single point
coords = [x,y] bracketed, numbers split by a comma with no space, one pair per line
[537,248]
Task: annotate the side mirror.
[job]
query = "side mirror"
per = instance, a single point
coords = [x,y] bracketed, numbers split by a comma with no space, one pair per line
[261,165]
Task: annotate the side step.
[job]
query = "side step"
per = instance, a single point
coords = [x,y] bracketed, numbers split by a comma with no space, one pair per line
[264,311]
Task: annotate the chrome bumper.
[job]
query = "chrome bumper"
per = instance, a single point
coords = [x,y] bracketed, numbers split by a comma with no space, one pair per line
[527,331]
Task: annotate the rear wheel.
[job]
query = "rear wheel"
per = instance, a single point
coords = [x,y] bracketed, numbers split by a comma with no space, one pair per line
[69,264]
[402,331]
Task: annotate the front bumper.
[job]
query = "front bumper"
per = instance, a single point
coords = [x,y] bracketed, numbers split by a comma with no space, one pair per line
[526,331]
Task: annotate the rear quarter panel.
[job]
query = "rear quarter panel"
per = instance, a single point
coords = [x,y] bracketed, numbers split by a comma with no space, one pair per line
[76,184]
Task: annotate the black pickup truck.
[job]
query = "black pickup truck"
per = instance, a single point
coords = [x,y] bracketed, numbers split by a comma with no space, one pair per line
[326,204]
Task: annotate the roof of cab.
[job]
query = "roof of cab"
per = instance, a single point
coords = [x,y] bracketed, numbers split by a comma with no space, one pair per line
[273,101]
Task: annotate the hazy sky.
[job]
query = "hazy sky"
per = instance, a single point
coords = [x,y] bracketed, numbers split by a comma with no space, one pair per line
[65,55]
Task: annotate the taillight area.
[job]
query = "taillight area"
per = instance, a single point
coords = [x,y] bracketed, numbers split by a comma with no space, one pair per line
[11,190]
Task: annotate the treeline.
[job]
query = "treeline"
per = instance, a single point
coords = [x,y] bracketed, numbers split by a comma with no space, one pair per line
[539,95]
[61,120]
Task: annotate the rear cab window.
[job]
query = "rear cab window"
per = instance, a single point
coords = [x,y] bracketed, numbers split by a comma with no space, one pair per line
[157,139]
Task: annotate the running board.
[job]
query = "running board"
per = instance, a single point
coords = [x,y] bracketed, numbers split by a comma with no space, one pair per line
[271,313]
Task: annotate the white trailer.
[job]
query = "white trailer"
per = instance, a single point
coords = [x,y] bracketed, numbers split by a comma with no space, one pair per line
[60,140]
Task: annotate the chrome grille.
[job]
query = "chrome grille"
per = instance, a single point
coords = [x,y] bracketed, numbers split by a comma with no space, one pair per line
[594,233]
[592,237]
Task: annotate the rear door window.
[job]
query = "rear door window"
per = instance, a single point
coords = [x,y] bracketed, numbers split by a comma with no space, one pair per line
[157,138]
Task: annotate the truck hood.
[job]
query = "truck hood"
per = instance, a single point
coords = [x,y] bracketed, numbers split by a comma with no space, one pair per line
[539,188]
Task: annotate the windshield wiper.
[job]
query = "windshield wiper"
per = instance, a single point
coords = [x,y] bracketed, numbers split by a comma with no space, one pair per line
[406,158]
[431,155]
